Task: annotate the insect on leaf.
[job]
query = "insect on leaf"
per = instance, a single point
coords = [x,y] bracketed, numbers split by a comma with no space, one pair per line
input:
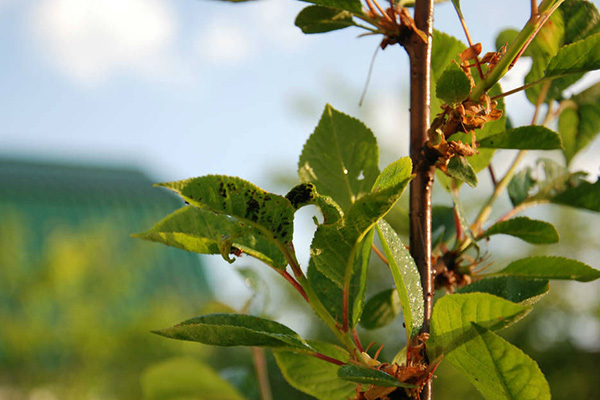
[201,231]
[271,214]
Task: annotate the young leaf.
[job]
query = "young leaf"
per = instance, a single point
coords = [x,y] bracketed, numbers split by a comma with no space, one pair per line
[354,6]
[358,281]
[316,377]
[445,48]
[318,19]
[453,314]
[497,369]
[271,214]
[520,185]
[581,56]
[334,246]
[557,185]
[200,231]
[406,277]
[579,124]
[179,378]
[543,267]
[453,86]
[530,230]
[544,46]
[462,218]
[332,295]
[369,376]
[381,309]
[460,168]
[235,330]
[340,158]
[443,227]
[532,137]
[516,289]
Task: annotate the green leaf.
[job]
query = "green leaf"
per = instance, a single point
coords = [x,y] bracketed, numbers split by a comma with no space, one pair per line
[369,376]
[581,19]
[532,137]
[552,267]
[354,6]
[271,214]
[529,230]
[544,46]
[201,231]
[453,314]
[179,378]
[561,186]
[340,158]
[460,168]
[338,251]
[578,57]
[406,277]
[332,295]
[506,37]
[557,185]
[358,282]
[516,289]
[456,4]
[461,216]
[334,246]
[445,48]
[520,185]
[579,124]
[453,86]
[313,376]
[443,227]
[235,330]
[584,195]
[497,369]
[381,309]
[318,19]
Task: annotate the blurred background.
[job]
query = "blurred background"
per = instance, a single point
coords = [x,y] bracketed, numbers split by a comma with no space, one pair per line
[101,99]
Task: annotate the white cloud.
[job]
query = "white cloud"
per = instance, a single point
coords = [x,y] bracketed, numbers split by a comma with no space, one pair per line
[246,32]
[90,40]
[224,41]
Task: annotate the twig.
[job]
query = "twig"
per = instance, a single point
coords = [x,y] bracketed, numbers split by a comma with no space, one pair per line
[294,283]
[380,254]
[371,65]
[469,41]
[492,175]
[357,340]
[516,90]
[262,374]
[327,358]
[487,208]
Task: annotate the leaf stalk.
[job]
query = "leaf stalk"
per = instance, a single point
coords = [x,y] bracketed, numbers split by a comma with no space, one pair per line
[516,48]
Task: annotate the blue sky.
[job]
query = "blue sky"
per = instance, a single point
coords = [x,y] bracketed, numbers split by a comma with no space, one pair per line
[189,87]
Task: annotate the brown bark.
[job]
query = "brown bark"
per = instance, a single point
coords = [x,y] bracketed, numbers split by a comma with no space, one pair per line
[421,186]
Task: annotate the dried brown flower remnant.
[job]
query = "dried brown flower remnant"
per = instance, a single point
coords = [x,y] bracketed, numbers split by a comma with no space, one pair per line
[448,273]
[466,117]
[415,371]
[395,23]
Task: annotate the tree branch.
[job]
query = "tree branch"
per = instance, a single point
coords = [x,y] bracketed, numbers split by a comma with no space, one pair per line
[421,186]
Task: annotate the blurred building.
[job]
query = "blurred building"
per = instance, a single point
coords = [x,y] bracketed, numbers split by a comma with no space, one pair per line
[78,295]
